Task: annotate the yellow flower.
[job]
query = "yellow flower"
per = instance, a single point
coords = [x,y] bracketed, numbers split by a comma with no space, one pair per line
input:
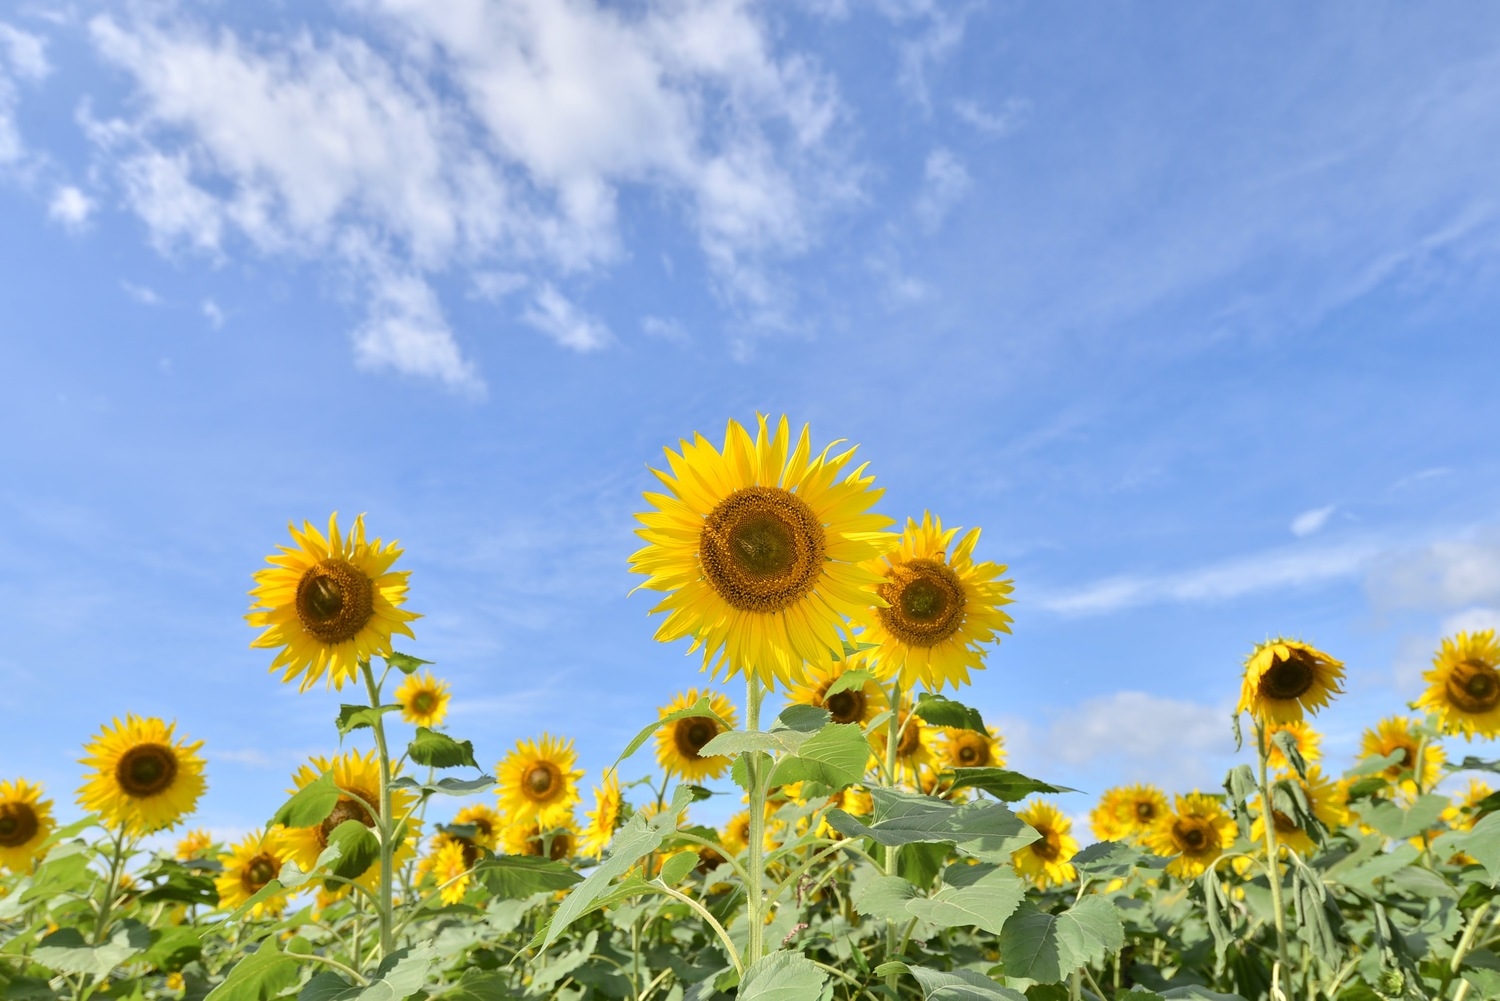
[248,867]
[193,844]
[937,606]
[486,823]
[175,982]
[913,746]
[451,859]
[1395,735]
[423,699]
[537,781]
[735,837]
[604,817]
[859,704]
[759,548]
[329,602]
[1464,685]
[25,822]
[558,841]
[1045,860]
[1322,795]
[1460,814]
[357,777]
[143,780]
[1304,738]
[1284,678]
[1196,834]
[1127,812]
[678,742]
[972,749]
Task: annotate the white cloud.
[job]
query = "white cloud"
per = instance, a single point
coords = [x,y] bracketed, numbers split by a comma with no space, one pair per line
[996,124]
[1472,620]
[1309,522]
[552,314]
[945,181]
[143,294]
[496,285]
[919,50]
[212,313]
[70,206]
[1450,573]
[25,53]
[406,331]
[665,329]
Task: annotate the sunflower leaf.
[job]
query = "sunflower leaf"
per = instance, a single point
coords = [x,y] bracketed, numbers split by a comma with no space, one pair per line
[450,786]
[358,850]
[1376,763]
[260,976]
[516,876]
[357,717]
[439,750]
[310,805]
[961,985]
[732,742]
[981,896]
[856,678]
[781,976]
[65,950]
[703,707]
[802,718]
[404,662]
[1481,842]
[1003,784]
[1047,947]
[675,869]
[942,711]
[835,756]
[985,829]
[1394,822]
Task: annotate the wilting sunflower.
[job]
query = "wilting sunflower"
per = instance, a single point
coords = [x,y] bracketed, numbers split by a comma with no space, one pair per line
[1324,799]
[1195,835]
[193,844]
[1285,678]
[1127,812]
[423,699]
[858,704]
[557,841]
[760,550]
[913,746]
[248,867]
[487,824]
[25,822]
[329,602]
[357,777]
[1397,735]
[1464,685]
[1304,738]
[537,781]
[1045,860]
[143,780]
[937,606]
[971,749]
[678,743]
[604,817]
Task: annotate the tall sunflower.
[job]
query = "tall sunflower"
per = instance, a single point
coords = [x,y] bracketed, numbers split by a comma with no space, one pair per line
[1324,799]
[248,867]
[538,781]
[1397,735]
[760,549]
[678,743]
[937,606]
[1194,835]
[604,817]
[1127,812]
[357,777]
[1464,684]
[329,602]
[1307,741]
[25,822]
[858,704]
[423,699]
[142,779]
[1285,678]
[971,749]
[1045,860]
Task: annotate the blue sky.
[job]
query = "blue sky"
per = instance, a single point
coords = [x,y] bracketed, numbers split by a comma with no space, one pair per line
[1192,310]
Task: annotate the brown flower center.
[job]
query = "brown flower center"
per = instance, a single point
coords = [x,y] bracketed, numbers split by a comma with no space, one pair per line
[561,848]
[348,808]
[762,549]
[1289,678]
[1145,811]
[926,602]
[18,824]
[146,769]
[1048,847]
[1194,836]
[542,781]
[1474,687]
[911,738]
[689,735]
[259,871]
[334,600]
[847,706]
[1284,824]
[423,703]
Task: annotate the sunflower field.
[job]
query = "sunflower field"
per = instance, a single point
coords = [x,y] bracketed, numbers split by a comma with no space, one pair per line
[883,851]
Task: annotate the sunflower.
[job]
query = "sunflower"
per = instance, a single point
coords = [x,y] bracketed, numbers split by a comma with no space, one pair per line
[1464,685]
[1195,834]
[451,864]
[1285,678]
[25,822]
[1127,812]
[1304,738]
[853,800]
[1045,860]
[913,747]
[859,704]
[1461,815]
[735,837]
[1322,796]
[678,742]
[193,845]
[329,602]
[604,817]
[357,777]
[760,550]
[537,781]
[423,699]
[557,841]
[142,781]
[971,749]
[486,823]
[1397,735]
[249,866]
[937,605]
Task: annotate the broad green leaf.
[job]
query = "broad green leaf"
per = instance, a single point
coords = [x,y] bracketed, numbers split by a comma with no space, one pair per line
[480,985]
[1192,992]
[703,707]
[1001,783]
[400,975]
[1112,860]
[856,678]
[1398,824]
[983,828]
[439,750]
[1376,763]
[675,869]
[835,756]
[260,976]
[781,976]
[448,787]
[310,805]
[272,888]
[357,717]
[804,718]
[1047,947]
[404,662]
[1286,741]
[66,951]
[514,876]
[1481,842]
[358,849]
[942,711]
[961,985]
[173,947]
[1092,930]
[981,896]
[880,896]
[181,885]
[732,742]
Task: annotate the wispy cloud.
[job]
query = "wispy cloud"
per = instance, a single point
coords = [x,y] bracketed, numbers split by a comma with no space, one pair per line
[23,58]
[1011,115]
[143,294]
[554,315]
[1308,522]
[212,313]
[945,181]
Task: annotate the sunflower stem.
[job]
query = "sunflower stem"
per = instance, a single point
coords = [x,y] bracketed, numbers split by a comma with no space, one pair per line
[1273,863]
[892,852]
[112,890]
[386,827]
[755,946]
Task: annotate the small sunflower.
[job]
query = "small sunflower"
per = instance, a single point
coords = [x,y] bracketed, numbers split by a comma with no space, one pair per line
[913,746]
[859,704]
[248,867]
[25,822]
[486,822]
[143,780]
[1397,735]
[451,864]
[760,548]
[1464,685]
[604,817]
[971,749]
[193,845]
[357,777]
[537,781]
[1460,815]
[1322,796]
[329,602]
[1195,835]
[735,837]
[678,743]
[937,606]
[1304,738]
[1127,812]
[423,699]
[1045,860]
[557,841]
[1285,678]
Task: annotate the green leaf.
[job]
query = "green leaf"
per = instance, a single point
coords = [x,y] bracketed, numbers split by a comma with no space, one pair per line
[514,876]
[983,828]
[961,985]
[448,787]
[781,976]
[880,896]
[675,869]
[1398,824]
[439,750]
[981,896]
[400,975]
[703,707]
[1109,860]
[260,976]
[1287,742]
[804,718]
[181,885]
[480,985]
[856,678]
[310,805]
[835,756]
[404,662]
[1375,763]
[942,711]
[358,849]
[732,742]
[173,947]
[66,951]
[1481,842]
[1001,783]
[1047,947]
[272,888]
[357,717]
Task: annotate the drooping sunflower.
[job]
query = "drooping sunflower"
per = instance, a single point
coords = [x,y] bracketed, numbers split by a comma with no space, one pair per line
[25,822]
[1304,738]
[1045,860]
[971,749]
[486,822]
[557,841]
[423,699]
[858,704]
[1286,678]
[604,817]
[678,743]
[357,777]
[1127,812]
[248,867]
[538,781]
[193,844]
[143,780]
[760,549]
[329,602]
[1397,735]
[938,606]
[1195,835]
[1324,799]
[1464,684]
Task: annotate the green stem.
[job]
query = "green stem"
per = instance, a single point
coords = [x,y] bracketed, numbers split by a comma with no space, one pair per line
[386,827]
[1273,864]
[755,862]
[1465,943]
[892,854]
[112,889]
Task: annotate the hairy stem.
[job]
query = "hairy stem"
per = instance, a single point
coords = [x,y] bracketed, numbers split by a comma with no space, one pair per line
[385,825]
[755,851]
